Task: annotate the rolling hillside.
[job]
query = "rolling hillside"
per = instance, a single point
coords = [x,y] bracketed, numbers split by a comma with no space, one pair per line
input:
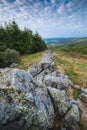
[70,63]
[53,45]
[80,48]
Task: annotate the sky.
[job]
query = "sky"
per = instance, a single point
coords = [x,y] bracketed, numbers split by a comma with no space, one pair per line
[50,18]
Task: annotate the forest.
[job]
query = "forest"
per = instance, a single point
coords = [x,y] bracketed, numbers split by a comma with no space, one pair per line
[15,42]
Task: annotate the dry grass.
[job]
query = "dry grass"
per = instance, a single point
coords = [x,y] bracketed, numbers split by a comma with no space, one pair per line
[74,67]
[71,64]
[28,60]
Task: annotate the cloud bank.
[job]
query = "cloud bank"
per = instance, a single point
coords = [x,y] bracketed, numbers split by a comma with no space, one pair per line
[51,18]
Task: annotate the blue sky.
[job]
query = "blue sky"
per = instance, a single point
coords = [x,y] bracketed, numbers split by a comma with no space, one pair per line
[51,18]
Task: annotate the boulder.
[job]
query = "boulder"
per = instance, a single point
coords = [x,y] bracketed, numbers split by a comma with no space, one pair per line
[77,87]
[57,80]
[23,105]
[13,65]
[83,95]
[68,111]
[48,61]
[37,98]
[45,73]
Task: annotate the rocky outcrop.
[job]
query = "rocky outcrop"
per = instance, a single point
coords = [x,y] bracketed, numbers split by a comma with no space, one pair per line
[67,110]
[22,102]
[37,99]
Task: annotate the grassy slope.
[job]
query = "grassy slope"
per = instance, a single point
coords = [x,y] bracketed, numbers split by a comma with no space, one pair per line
[80,49]
[27,60]
[71,60]
[73,65]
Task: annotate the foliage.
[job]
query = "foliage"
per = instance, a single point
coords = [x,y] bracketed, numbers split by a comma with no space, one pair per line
[11,56]
[76,93]
[8,57]
[27,60]
[23,41]
[74,66]
[17,40]
[80,49]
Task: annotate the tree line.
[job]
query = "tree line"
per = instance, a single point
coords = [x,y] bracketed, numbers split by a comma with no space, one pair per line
[24,41]
[18,40]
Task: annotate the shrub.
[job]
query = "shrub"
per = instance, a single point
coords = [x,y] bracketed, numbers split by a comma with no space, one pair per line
[1,59]
[11,56]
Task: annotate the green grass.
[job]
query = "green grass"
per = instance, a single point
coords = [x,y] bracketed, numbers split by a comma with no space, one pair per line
[74,67]
[76,93]
[72,75]
[80,49]
[27,60]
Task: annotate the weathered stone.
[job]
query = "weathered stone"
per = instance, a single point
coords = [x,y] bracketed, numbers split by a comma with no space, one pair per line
[13,65]
[67,109]
[33,100]
[57,80]
[35,69]
[21,103]
[72,118]
[83,95]
[15,78]
[48,62]
[76,86]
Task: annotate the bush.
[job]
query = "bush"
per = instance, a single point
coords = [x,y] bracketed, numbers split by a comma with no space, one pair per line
[8,57]
[1,59]
[11,56]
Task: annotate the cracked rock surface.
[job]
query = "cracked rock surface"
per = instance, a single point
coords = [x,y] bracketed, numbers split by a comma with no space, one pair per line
[34,99]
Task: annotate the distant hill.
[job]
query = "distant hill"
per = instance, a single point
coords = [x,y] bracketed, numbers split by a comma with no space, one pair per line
[52,40]
[78,48]
[66,42]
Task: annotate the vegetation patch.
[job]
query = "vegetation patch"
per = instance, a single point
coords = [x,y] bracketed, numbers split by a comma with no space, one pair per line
[27,60]
[75,49]
[21,41]
[73,76]
[8,57]
[74,67]
[77,93]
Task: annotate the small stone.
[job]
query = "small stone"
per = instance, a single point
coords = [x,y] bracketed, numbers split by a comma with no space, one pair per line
[76,86]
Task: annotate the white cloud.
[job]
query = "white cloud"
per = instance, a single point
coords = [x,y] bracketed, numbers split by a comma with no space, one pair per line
[69,4]
[4,1]
[53,1]
[61,9]
[44,18]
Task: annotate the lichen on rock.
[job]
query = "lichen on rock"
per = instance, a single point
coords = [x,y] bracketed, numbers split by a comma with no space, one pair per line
[34,99]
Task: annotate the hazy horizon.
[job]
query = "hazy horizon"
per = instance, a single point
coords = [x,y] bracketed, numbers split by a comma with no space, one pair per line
[51,18]
[63,37]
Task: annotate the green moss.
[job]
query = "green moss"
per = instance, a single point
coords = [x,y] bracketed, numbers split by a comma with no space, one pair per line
[77,93]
